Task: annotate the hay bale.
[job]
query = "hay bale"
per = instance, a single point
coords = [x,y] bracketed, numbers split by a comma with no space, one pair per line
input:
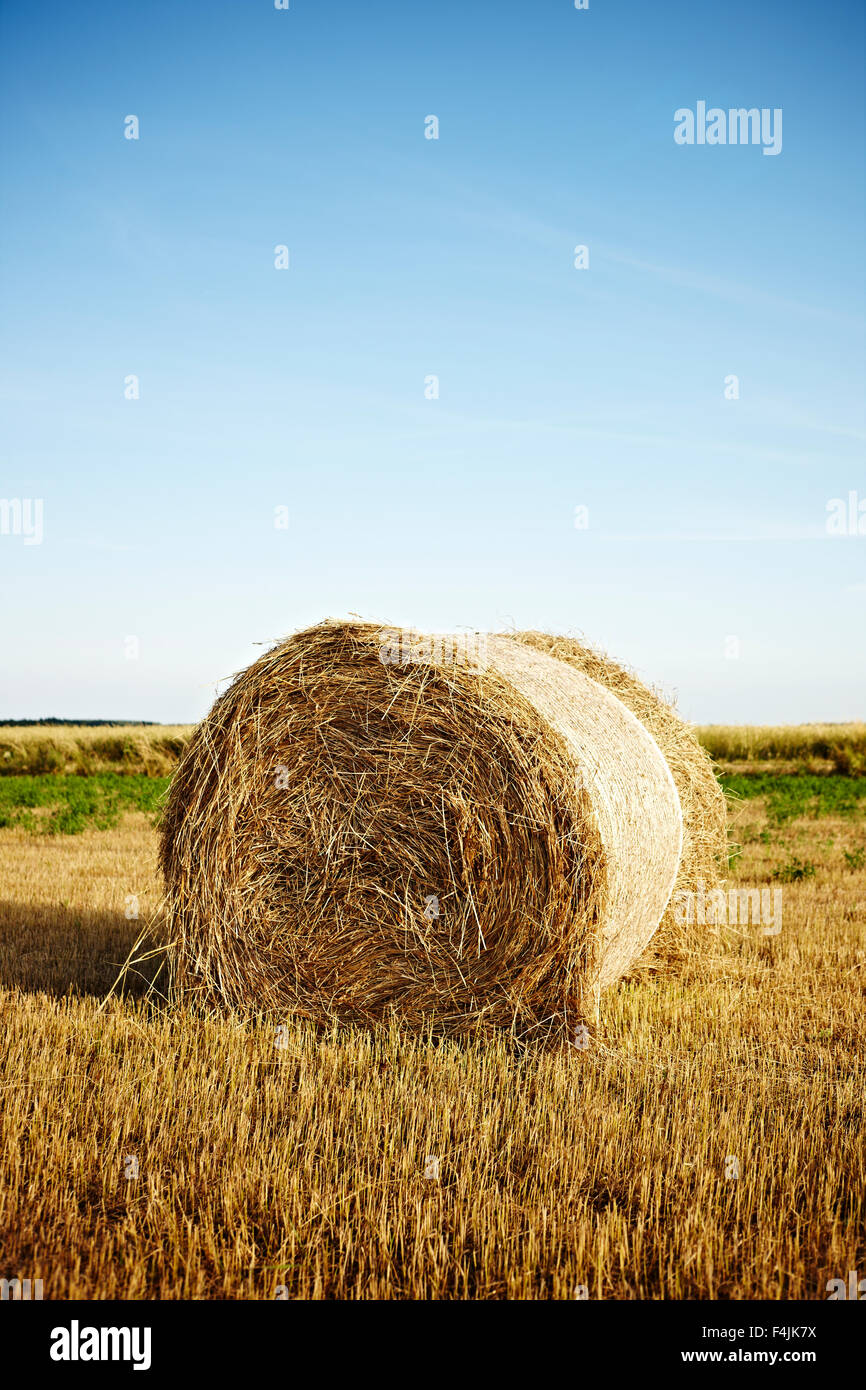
[703,803]
[462,838]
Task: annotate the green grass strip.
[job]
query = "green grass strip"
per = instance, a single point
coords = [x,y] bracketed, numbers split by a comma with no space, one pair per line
[59,805]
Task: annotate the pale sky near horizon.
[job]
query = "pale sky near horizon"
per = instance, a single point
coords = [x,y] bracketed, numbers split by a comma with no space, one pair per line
[304,388]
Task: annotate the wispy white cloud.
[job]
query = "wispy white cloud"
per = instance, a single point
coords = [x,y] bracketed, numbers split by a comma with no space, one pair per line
[761,534]
[722,289]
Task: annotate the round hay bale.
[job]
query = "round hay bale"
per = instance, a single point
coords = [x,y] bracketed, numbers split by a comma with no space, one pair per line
[458,833]
[704,806]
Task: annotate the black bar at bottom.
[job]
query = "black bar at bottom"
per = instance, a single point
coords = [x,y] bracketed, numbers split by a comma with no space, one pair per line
[60,1340]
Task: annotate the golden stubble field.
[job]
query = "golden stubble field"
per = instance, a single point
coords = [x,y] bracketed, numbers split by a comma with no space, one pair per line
[151,1153]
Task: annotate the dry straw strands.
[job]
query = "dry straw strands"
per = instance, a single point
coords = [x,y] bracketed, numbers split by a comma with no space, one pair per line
[467,837]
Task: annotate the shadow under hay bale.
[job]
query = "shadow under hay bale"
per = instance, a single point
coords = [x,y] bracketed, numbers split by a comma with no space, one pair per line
[51,949]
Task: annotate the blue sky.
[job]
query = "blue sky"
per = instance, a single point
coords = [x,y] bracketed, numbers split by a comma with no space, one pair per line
[305,388]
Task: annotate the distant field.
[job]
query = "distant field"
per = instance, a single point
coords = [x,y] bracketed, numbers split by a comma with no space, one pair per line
[154,749]
[807,747]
